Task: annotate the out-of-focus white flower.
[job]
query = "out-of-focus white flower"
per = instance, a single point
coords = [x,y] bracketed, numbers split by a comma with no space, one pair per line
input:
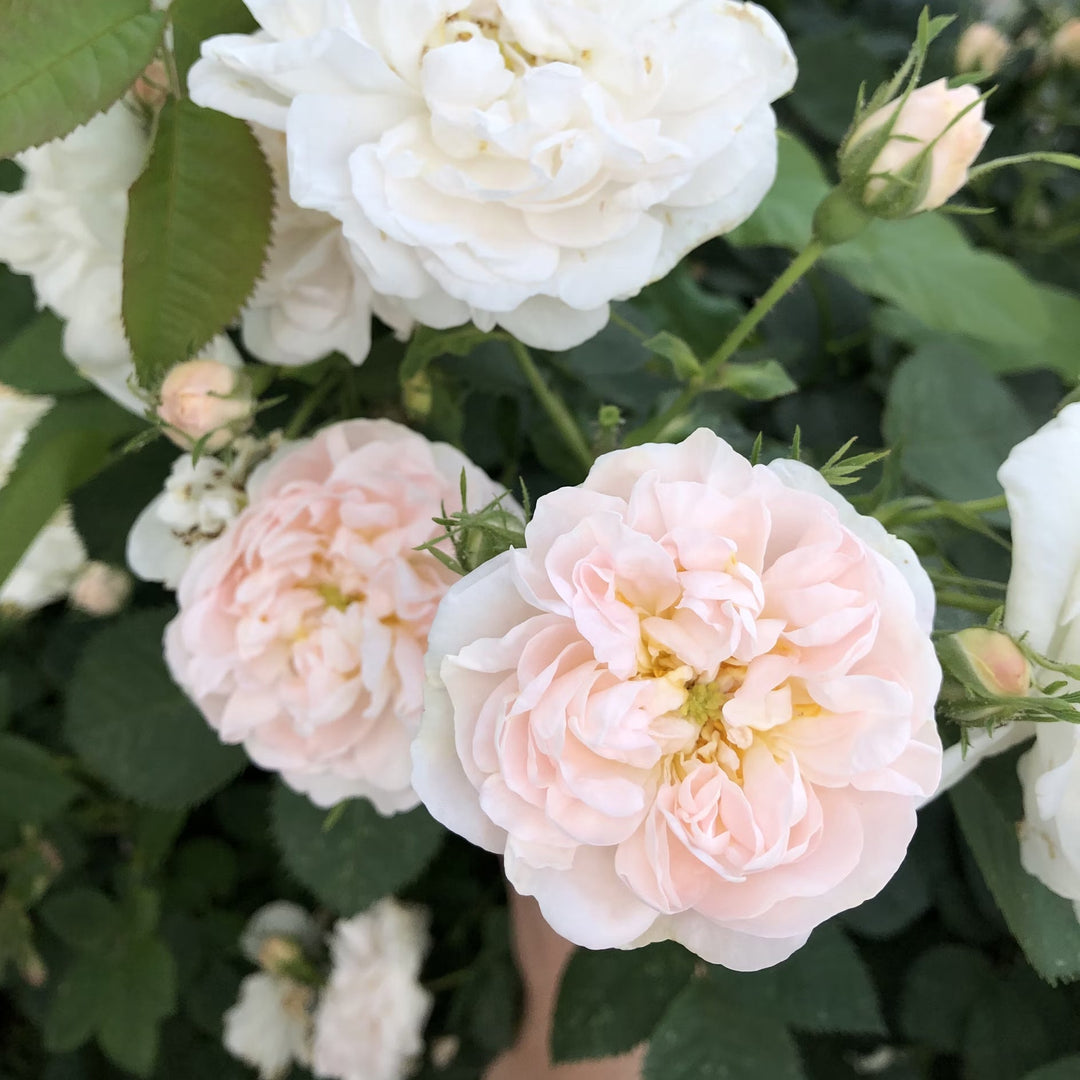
[200,499]
[18,414]
[65,228]
[51,564]
[312,299]
[369,1024]
[280,919]
[100,589]
[269,1027]
[514,162]
[48,569]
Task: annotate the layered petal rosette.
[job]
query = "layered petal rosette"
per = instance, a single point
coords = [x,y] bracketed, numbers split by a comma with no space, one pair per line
[302,628]
[698,705]
[519,162]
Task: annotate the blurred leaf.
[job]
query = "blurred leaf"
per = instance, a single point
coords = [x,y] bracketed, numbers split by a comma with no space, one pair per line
[1067,1068]
[34,360]
[83,918]
[61,63]
[427,345]
[704,1037]
[194,21]
[954,422]
[355,857]
[611,1001]
[683,361]
[197,232]
[134,727]
[940,991]
[33,789]
[759,380]
[1043,923]
[903,900]
[823,988]
[64,450]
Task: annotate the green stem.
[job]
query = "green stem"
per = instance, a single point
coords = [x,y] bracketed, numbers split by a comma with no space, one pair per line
[980,605]
[308,406]
[553,405]
[735,340]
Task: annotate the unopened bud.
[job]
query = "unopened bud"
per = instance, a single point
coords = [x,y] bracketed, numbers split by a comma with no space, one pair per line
[280,955]
[444,1050]
[914,154]
[205,399]
[152,86]
[987,661]
[100,589]
[1065,45]
[982,47]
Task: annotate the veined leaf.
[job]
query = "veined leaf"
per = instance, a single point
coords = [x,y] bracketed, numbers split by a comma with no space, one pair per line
[198,227]
[61,63]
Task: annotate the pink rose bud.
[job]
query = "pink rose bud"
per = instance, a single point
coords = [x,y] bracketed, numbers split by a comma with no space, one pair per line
[203,398]
[1065,46]
[982,47]
[152,86]
[100,589]
[991,661]
[914,154]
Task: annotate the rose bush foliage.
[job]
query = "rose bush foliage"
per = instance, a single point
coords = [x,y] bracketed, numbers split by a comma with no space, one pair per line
[336,333]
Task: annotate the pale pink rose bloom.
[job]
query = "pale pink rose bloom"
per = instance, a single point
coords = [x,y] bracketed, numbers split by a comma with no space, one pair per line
[698,705]
[302,628]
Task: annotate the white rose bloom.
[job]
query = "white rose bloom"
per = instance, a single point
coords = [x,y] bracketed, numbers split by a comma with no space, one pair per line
[269,1027]
[48,569]
[1043,603]
[18,414]
[312,299]
[54,560]
[514,162]
[65,228]
[199,500]
[369,1024]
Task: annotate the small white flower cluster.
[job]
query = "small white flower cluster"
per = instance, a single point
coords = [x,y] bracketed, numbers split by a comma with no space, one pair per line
[365,1021]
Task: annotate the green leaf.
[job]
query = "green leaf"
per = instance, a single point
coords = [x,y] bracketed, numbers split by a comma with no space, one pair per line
[141,992]
[194,21]
[83,918]
[61,63]
[926,266]
[32,787]
[64,450]
[77,1005]
[197,232]
[611,1001]
[954,421]
[130,723]
[704,1037]
[1066,1068]
[683,361]
[824,988]
[940,991]
[760,380]
[352,856]
[34,361]
[1043,923]
[427,345]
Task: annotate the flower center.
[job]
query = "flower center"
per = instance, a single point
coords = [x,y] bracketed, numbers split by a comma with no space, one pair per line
[717,742]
